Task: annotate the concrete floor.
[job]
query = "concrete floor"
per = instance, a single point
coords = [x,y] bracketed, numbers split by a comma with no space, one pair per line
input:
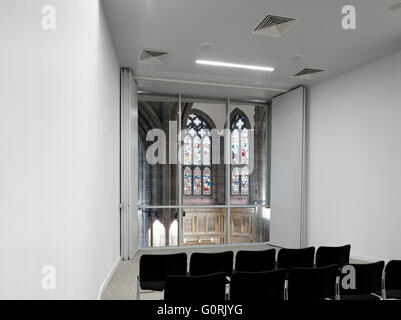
[122,285]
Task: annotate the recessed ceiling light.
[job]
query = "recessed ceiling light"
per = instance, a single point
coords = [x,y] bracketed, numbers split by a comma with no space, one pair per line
[234,65]
[207,45]
[395,6]
[296,57]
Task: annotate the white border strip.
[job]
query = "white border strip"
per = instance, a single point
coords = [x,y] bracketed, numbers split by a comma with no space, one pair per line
[108,277]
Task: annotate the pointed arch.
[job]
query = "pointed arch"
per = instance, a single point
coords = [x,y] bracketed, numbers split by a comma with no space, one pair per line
[238,112]
[173,233]
[159,234]
[197,153]
[239,126]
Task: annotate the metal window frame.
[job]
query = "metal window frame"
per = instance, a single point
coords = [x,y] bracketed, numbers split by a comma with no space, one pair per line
[227,157]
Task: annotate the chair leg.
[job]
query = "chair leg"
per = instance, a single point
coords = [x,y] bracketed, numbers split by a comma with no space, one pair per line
[138,290]
[286,290]
[384,294]
[337,290]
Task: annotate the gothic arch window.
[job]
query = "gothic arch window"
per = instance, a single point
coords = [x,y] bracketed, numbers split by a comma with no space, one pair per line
[159,234]
[173,233]
[197,157]
[239,156]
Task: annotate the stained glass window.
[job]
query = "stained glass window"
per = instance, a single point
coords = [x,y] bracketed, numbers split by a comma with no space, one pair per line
[235,176]
[240,155]
[238,122]
[187,150]
[197,152]
[206,151]
[244,181]
[235,147]
[197,181]
[206,181]
[244,147]
[187,181]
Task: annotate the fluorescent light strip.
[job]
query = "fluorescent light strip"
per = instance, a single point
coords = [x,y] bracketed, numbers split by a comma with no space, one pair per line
[234,65]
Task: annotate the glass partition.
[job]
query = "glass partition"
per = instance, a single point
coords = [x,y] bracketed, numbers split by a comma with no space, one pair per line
[157,151]
[204,171]
[158,227]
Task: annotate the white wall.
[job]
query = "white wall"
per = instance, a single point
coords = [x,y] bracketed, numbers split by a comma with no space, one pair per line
[59,150]
[354,160]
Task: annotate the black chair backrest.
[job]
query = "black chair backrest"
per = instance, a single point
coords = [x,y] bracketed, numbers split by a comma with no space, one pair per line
[251,286]
[157,267]
[208,263]
[196,288]
[312,283]
[255,261]
[393,275]
[368,278]
[295,258]
[326,256]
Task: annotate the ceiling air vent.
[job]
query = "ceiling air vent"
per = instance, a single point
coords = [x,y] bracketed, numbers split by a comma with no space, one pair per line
[153,56]
[274,26]
[307,72]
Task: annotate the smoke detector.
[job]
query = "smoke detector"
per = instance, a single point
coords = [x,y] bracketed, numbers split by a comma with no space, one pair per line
[274,26]
[153,56]
[306,73]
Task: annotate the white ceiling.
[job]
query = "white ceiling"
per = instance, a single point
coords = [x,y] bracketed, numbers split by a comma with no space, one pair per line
[181,26]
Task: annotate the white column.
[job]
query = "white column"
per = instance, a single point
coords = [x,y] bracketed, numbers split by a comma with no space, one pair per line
[129,165]
[287,169]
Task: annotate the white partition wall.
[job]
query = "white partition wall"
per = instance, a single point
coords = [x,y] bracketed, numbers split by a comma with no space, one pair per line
[129,165]
[287,169]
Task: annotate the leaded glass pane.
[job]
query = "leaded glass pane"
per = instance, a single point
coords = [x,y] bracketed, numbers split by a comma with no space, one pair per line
[206,181]
[244,181]
[235,177]
[187,150]
[197,151]
[244,147]
[197,181]
[206,151]
[187,181]
[235,147]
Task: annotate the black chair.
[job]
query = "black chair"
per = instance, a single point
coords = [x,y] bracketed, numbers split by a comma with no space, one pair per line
[255,261]
[392,280]
[208,263]
[368,280]
[326,256]
[257,286]
[295,258]
[312,283]
[154,269]
[196,288]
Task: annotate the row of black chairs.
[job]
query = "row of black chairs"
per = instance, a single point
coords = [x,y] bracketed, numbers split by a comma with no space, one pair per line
[157,272]
[154,269]
[303,283]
